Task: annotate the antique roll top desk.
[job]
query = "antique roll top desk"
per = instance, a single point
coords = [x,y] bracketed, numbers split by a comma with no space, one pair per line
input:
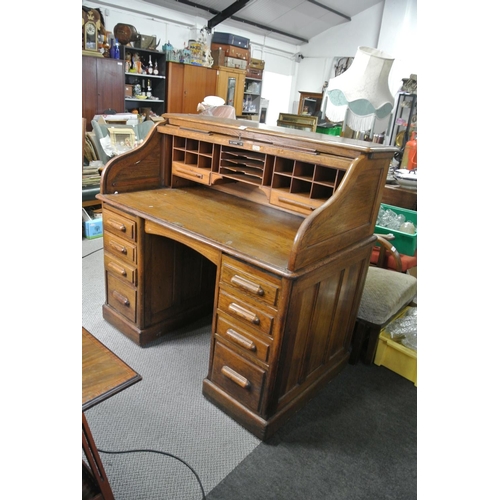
[268,229]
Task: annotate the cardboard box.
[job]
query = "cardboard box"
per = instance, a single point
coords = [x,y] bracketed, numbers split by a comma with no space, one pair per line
[128,90]
[92,225]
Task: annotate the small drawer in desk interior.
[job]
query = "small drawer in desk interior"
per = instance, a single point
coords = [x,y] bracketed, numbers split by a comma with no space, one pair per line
[187,171]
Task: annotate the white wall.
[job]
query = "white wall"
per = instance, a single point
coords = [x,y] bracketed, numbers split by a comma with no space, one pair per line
[389,25]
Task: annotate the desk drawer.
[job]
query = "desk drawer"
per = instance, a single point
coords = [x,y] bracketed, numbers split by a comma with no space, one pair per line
[250,281]
[117,224]
[120,269]
[201,175]
[300,203]
[120,248]
[235,332]
[248,314]
[122,297]
[238,377]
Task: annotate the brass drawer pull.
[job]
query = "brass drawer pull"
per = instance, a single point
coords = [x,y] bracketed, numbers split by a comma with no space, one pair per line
[121,298]
[247,285]
[235,377]
[188,172]
[117,269]
[117,225]
[240,311]
[118,248]
[240,340]
[295,203]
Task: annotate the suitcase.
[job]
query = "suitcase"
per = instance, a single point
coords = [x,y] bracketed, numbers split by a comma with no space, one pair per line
[256,63]
[230,39]
[254,73]
[220,59]
[230,51]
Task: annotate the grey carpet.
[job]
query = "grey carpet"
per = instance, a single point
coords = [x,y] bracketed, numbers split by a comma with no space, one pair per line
[356,440]
[166,411]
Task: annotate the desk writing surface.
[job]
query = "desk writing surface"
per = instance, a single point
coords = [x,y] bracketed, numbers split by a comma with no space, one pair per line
[232,224]
[103,372]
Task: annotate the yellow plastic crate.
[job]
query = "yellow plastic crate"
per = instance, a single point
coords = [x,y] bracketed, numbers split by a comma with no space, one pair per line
[396,357]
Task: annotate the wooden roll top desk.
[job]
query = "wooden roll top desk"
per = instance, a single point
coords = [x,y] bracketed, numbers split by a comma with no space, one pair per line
[270,230]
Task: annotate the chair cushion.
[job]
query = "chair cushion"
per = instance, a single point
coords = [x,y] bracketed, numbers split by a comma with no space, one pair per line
[384,294]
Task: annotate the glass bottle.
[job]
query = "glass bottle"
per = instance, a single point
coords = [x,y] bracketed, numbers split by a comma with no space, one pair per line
[150,66]
[155,70]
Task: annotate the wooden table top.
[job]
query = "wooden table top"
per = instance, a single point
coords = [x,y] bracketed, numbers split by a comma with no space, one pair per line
[103,372]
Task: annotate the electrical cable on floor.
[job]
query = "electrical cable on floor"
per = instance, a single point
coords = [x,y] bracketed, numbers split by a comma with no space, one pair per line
[92,253]
[160,453]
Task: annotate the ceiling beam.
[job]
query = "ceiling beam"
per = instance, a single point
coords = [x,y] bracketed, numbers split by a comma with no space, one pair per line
[329,9]
[226,13]
[241,20]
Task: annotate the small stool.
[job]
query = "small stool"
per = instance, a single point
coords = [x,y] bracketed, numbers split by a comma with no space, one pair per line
[386,293]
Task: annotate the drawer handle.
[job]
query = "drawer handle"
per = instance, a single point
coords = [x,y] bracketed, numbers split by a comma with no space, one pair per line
[235,377]
[117,225]
[240,311]
[118,248]
[247,285]
[188,172]
[240,340]
[295,203]
[121,298]
[117,269]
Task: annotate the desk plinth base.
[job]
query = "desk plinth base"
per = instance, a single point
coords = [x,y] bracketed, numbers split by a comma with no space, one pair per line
[142,337]
[258,426]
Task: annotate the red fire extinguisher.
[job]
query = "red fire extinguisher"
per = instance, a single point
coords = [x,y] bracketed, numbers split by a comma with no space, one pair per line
[409,160]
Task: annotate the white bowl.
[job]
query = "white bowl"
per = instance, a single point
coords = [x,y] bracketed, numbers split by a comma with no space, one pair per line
[406,178]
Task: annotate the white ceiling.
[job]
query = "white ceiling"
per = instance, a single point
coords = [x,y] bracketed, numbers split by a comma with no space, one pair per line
[292,21]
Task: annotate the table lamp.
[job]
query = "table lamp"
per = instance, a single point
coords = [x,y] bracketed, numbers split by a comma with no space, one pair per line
[361,94]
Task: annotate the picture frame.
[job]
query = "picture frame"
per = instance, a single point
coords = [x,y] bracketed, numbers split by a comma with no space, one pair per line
[122,139]
[300,122]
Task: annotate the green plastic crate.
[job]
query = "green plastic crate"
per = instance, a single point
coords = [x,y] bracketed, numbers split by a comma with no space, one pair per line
[405,243]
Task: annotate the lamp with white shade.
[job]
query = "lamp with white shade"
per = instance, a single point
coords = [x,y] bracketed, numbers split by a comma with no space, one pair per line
[360,96]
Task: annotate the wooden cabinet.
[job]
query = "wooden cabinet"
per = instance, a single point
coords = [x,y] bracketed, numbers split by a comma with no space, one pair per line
[187,86]
[310,103]
[103,86]
[230,86]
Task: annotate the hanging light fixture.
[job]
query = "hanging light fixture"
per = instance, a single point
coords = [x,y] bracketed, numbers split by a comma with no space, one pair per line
[361,94]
